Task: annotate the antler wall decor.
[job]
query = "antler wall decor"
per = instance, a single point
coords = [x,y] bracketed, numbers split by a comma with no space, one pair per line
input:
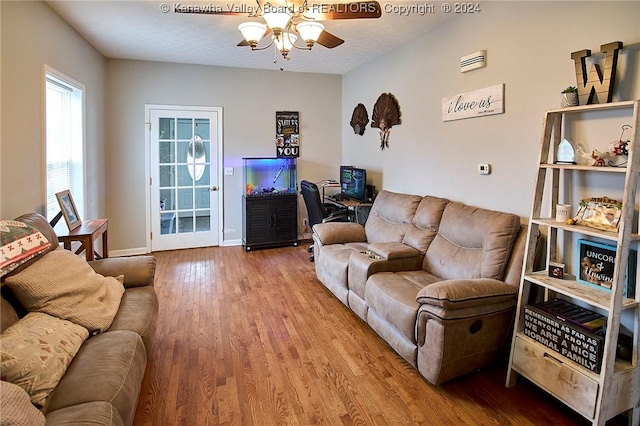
[359,119]
[386,114]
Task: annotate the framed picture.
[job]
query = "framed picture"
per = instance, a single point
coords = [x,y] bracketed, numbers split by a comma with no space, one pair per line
[596,263]
[69,210]
[601,213]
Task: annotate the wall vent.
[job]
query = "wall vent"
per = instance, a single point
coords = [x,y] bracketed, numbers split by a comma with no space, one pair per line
[473,61]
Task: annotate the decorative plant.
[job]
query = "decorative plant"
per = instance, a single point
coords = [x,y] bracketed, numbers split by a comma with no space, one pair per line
[569,97]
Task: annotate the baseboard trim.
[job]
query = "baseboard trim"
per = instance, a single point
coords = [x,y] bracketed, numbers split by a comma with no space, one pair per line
[142,250]
[128,252]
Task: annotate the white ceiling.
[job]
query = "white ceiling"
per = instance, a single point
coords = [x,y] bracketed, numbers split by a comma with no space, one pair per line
[140,30]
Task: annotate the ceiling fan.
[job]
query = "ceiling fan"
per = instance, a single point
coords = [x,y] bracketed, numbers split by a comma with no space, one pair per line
[290,20]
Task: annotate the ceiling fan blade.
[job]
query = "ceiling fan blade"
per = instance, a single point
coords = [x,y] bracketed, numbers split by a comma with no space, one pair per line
[328,40]
[353,10]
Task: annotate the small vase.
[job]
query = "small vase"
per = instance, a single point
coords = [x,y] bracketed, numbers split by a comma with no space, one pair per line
[569,100]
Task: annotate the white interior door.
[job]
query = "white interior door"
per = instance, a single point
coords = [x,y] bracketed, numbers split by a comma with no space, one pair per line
[185,199]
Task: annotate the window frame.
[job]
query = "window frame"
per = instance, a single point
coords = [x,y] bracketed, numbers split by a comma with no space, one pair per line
[77,135]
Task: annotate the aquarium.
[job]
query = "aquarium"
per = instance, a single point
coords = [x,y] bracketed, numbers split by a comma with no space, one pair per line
[265,176]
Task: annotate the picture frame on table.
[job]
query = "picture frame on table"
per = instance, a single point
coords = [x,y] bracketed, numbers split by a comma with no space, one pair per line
[68,209]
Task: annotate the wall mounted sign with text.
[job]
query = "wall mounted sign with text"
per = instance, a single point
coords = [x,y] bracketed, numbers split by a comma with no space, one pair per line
[287,134]
[479,103]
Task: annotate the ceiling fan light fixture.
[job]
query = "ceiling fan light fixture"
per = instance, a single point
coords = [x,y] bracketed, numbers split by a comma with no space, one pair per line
[277,19]
[285,43]
[310,31]
[252,32]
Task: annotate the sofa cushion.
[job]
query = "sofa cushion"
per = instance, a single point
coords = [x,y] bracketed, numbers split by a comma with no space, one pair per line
[425,223]
[36,352]
[8,314]
[65,286]
[471,243]
[390,216]
[19,243]
[16,408]
[109,367]
[393,298]
[332,265]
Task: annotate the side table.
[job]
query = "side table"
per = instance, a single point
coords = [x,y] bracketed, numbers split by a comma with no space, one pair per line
[86,234]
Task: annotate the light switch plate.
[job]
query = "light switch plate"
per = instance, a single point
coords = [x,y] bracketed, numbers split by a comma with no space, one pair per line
[228,171]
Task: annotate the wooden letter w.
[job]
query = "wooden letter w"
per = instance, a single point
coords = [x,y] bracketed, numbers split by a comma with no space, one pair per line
[596,85]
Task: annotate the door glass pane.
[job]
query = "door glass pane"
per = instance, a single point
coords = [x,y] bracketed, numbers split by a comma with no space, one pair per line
[167,223]
[166,176]
[202,171]
[185,128]
[184,179]
[183,151]
[167,128]
[202,128]
[203,221]
[185,222]
[185,198]
[167,199]
[202,198]
[167,154]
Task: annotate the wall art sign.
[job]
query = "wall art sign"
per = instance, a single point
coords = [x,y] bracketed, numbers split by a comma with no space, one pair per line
[479,103]
[287,134]
[574,332]
[597,262]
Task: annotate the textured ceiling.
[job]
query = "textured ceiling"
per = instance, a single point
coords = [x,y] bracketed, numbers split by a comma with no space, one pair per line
[142,30]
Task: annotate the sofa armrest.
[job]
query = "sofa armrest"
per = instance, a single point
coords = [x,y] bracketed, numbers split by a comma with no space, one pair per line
[339,233]
[137,270]
[469,293]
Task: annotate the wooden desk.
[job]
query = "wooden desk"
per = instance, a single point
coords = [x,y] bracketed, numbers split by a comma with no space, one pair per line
[358,210]
[86,234]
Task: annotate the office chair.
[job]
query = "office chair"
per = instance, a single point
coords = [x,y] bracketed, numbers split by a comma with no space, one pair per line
[317,210]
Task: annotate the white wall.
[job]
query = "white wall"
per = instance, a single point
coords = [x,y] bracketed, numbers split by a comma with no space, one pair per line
[249,99]
[529,47]
[32,36]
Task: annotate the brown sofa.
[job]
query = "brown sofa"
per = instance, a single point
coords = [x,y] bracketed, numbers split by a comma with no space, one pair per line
[102,383]
[436,279]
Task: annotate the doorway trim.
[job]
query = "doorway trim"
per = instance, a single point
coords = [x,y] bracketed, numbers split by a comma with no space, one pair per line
[147,157]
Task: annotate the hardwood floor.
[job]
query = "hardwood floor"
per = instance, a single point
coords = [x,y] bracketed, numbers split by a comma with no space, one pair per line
[255,339]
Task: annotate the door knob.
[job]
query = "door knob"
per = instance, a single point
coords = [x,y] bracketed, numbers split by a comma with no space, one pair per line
[213,188]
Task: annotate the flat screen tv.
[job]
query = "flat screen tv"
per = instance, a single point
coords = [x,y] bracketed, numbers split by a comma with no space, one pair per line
[353,182]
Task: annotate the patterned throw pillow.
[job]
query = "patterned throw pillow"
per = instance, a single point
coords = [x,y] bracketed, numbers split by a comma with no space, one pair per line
[63,285]
[36,351]
[19,242]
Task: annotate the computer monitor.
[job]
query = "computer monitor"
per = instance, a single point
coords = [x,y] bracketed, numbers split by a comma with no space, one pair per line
[353,182]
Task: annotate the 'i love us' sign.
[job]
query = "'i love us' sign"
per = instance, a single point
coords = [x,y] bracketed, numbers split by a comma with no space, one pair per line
[479,103]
